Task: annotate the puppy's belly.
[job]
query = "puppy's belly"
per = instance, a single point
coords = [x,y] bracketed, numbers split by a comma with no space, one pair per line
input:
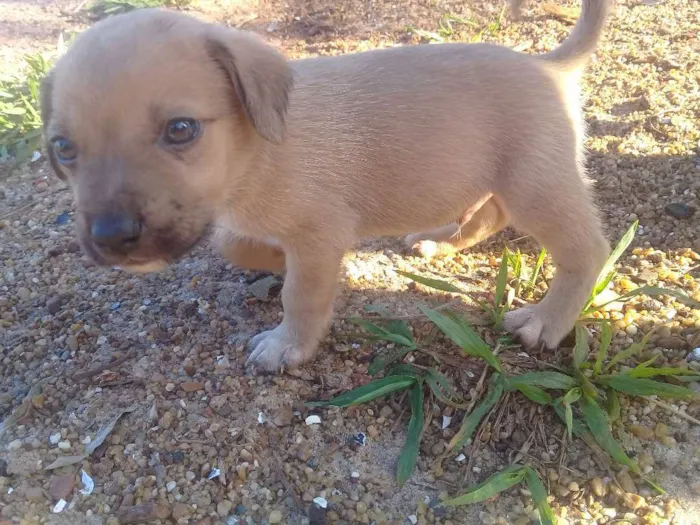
[387,222]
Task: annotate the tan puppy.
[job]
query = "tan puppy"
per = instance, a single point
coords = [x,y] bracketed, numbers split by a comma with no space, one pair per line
[170,130]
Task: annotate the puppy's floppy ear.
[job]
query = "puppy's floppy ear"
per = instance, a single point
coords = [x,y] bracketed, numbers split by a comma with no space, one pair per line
[261,77]
[46,109]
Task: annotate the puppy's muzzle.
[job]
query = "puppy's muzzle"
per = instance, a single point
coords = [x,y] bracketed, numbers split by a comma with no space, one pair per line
[116,233]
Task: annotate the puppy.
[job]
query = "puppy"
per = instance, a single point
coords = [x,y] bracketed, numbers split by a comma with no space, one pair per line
[170,130]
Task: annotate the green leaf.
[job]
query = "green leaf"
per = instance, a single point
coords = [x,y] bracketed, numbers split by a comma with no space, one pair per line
[569,419]
[646,387]
[648,371]
[539,497]
[550,380]
[501,279]
[457,329]
[409,453]
[578,427]
[368,392]
[597,422]
[471,422]
[581,348]
[650,291]
[625,241]
[387,358]
[437,284]
[631,351]
[441,388]
[385,333]
[613,405]
[538,267]
[405,369]
[533,393]
[569,399]
[492,486]
[572,396]
[688,379]
[605,339]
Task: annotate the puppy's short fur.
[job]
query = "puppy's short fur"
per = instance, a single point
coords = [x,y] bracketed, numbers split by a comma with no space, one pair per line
[291,162]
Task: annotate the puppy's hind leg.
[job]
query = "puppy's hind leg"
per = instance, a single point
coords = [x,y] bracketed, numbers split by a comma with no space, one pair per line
[476,226]
[559,213]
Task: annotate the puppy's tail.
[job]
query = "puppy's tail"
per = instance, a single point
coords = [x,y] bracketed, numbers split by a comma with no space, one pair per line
[575,52]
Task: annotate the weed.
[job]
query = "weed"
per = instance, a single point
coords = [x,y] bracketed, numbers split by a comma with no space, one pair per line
[20,115]
[104,8]
[583,393]
[20,119]
[456,28]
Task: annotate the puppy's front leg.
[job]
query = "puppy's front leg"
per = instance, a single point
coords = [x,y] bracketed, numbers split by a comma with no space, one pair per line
[307,298]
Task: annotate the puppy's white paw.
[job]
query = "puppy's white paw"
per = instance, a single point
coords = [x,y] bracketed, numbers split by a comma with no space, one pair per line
[422,248]
[273,349]
[535,328]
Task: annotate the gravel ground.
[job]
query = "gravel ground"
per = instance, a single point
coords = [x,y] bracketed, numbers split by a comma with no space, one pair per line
[196,440]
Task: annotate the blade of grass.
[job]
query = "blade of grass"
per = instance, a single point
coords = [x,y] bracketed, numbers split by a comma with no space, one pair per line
[652,372]
[533,393]
[437,284]
[494,485]
[471,422]
[568,400]
[539,497]
[613,405]
[598,424]
[581,348]
[646,387]
[549,380]
[501,279]
[409,453]
[442,388]
[538,267]
[631,351]
[622,245]
[602,354]
[385,333]
[368,392]
[651,291]
[385,359]
[459,331]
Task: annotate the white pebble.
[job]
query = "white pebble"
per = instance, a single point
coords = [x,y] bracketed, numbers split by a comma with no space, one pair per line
[320,502]
[60,505]
[170,486]
[355,475]
[55,438]
[15,445]
[88,483]
[413,519]
[313,420]
[446,420]
[460,458]
[476,469]
[64,445]
[86,440]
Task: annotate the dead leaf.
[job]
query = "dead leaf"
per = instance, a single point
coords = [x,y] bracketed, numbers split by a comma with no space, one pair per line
[64,461]
[99,438]
[105,430]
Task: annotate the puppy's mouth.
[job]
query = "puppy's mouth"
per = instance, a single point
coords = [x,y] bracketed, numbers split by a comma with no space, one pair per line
[154,251]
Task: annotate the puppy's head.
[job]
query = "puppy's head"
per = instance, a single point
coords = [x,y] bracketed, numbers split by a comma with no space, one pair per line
[154,118]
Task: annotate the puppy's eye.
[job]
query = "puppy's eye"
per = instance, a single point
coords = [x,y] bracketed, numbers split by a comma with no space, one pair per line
[180,131]
[64,149]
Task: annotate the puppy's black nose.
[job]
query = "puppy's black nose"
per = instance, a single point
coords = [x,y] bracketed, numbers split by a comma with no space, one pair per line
[118,232]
